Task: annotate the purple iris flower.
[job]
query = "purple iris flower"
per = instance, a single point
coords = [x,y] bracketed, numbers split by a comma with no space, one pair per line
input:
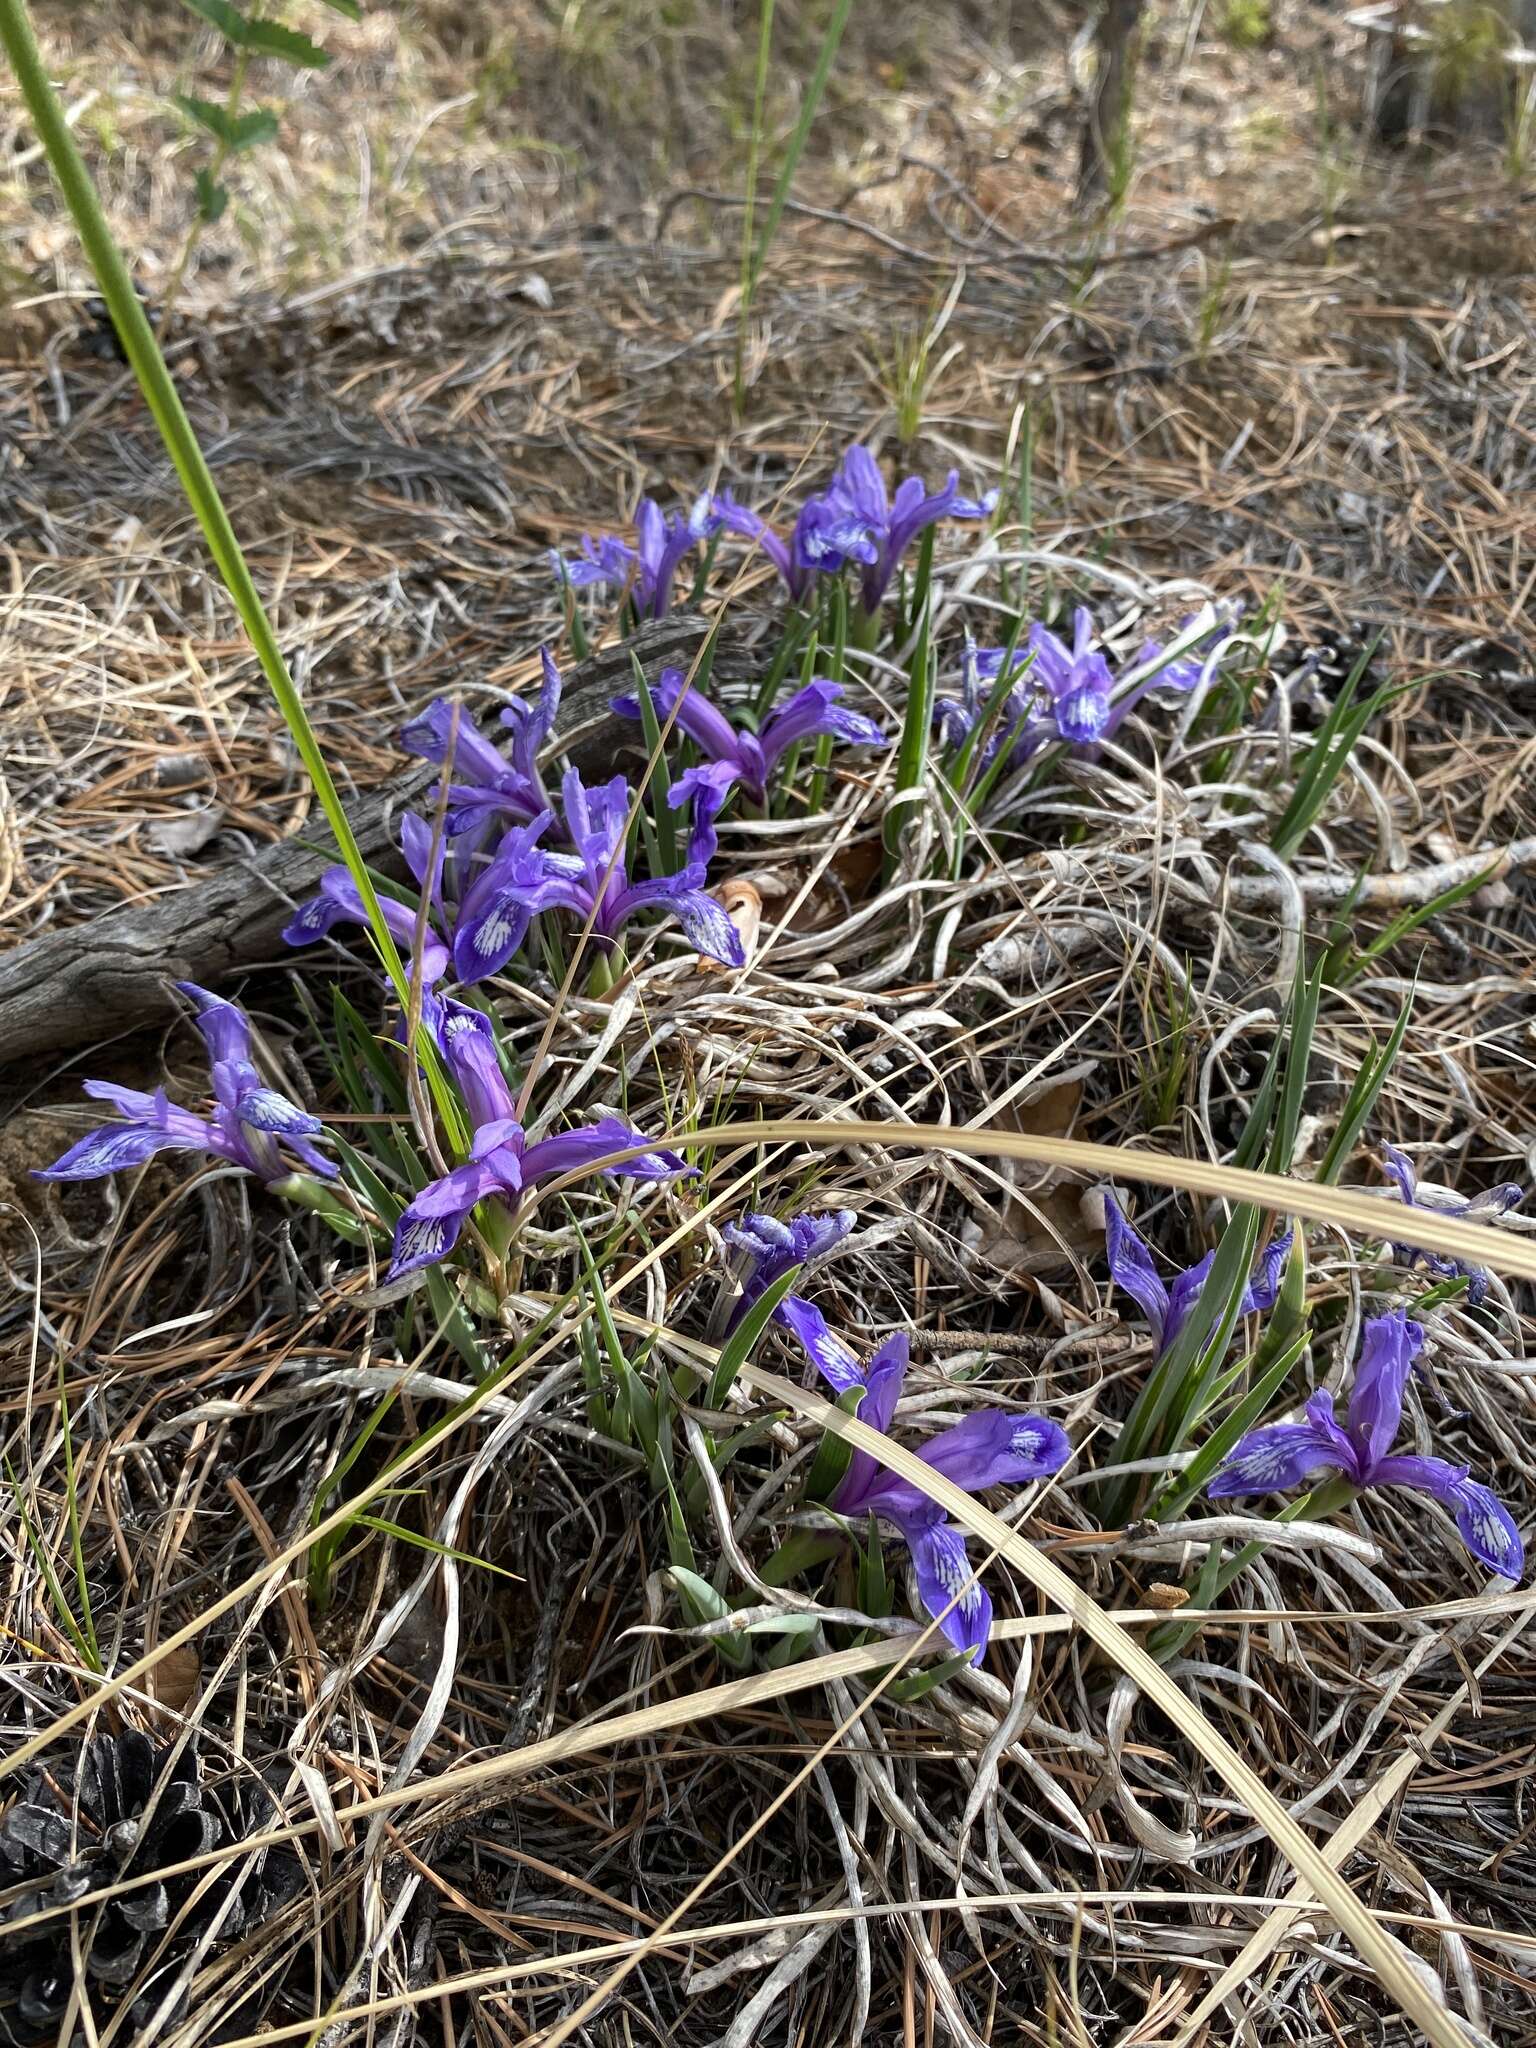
[991,1447]
[246,1125]
[602,561]
[594,875]
[746,757]
[653,563]
[1191,667]
[1065,693]
[1286,1455]
[772,1248]
[478,930]
[1443,1202]
[1019,725]
[507,785]
[502,1165]
[854,521]
[1167,1308]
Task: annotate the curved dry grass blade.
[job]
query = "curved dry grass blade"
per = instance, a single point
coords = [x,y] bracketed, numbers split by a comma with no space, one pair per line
[1370,1214]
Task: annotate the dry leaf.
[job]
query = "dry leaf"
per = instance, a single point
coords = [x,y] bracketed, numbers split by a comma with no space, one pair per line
[1165,1598]
[843,887]
[1038,1230]
[744,907]
[188,832]
[173,1682]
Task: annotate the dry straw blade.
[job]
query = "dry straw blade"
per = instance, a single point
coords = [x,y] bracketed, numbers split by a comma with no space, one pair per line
[1368,1215]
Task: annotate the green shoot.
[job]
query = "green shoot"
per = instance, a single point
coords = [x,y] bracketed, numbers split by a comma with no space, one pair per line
[754,153]
[1331,749]
[84,1639]
[755,255]
[738,1347]
[1348,963]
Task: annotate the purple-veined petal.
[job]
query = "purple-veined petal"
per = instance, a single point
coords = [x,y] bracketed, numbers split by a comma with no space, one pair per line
[115,1148]
[948,1586]
[225,1028]
[594,1146]
[469,1047]
[993,1447]
[1387,1351]
[884,1376]
[1263,1289]
[1485,1525]
[429,1228]
[1401,1171]
[707,927]
[495,912]
[424,1236]
[705,923]
[1132,1270]
[1183,1293]
[1488,1530]
[853,728]
[1277,1459]
[313,918]
[485,941]
[265,1110]
[828,1353]
[1083,715]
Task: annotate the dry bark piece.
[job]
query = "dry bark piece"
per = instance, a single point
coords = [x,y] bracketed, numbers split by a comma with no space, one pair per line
[95,981]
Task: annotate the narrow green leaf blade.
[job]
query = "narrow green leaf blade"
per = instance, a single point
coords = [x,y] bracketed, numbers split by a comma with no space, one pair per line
[288,45]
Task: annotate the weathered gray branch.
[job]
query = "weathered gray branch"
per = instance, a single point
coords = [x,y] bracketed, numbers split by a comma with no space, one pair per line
[89,982]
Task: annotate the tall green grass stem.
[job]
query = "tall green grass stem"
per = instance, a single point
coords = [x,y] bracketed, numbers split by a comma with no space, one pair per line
[164,402]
